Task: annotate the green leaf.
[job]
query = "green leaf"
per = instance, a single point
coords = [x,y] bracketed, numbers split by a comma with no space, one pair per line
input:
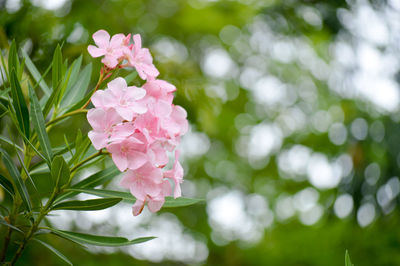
[18,182]
[79,88]
[35,73]
[82,144]
[129,78]
[74,77]
[13,62]
[170,202]
[55,251]
[7,185]
[94,180]
[3,63]
[25,169]
[6,140]
[347,259]
[57,68]
[4,93]
[11,226]
[87,205]
[59,171]
[99,240]
[21,110]
[50,102]
[79,104]
[39,125]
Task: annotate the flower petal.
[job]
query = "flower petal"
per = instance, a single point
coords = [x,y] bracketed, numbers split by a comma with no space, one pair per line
[101,38]
[98,139]
[137,208]
[96,52]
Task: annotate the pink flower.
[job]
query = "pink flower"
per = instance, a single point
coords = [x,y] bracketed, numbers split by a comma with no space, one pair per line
[146,184]
[159,89]
[111,49]
[157,154]
[176,124]
[102,123]
[176,174]
[137,126]
[153,203]
[140,58]
[124,99]
[127,154]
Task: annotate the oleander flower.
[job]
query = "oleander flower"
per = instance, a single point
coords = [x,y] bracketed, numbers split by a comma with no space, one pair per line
[112,50]
[141,59]
[138,126]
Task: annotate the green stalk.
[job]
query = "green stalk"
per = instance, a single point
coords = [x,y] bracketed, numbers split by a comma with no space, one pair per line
[57,119]
[43,212]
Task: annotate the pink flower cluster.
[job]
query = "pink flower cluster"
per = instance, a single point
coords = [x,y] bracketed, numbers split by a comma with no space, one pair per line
[137,126]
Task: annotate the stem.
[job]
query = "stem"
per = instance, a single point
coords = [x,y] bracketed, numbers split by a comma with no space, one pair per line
[76,112]
[100,152]
[6,243]
[9,231]
[34,227]
[102,77]
[16,203]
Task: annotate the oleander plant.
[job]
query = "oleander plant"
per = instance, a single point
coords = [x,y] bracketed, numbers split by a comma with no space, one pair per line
[136,131]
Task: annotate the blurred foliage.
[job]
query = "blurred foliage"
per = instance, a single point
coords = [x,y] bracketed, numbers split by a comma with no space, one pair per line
[195,29]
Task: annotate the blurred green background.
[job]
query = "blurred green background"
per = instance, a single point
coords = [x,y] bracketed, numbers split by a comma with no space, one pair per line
[294,140]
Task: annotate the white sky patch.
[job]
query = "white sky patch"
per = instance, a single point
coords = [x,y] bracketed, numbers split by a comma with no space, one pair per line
[322,173]
[172,242]
[366,214]
[218,64]
[294,161]
[233,215]
[13,6]
[170,49]
[194,144]
[269,90]
[366,55]
[264,140]
[49,4]
[343,205]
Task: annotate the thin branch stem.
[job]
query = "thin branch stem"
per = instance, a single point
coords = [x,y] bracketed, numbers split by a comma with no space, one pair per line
[99,153]
[102,77]
[57,119]
[43,212]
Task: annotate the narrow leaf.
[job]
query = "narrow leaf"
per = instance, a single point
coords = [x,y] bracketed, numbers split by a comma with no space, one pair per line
[11,226]
[7,185]
[6,140]
[39,125]
[25,169]
[50,102]
[35,73]
[55,251]
[80,87]
[59,171]
[129,78]
[83,143]
[18,182]
[94,180]
[21,110]
[170,202]
[347,259]
[57,68]
[99,240]
[13,62]
[87,205]
[75,71]
[3,63]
